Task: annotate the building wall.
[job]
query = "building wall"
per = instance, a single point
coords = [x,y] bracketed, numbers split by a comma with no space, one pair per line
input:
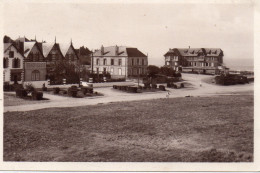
[116,70]
[34,64]
[34,67]
[137,65]
[7,71]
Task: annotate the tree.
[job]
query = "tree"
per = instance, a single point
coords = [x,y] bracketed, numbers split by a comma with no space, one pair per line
[65,70]
[152,70]
[168,71]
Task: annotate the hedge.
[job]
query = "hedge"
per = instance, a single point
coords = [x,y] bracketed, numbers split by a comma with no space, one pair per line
[36,95]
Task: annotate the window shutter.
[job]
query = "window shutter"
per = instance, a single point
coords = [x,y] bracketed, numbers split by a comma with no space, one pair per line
[7,62]
[19,63]
[13,61]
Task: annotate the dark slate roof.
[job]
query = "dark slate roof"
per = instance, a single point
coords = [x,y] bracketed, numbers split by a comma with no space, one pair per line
[22,39]
[134,52]
[195,51]
[123,51]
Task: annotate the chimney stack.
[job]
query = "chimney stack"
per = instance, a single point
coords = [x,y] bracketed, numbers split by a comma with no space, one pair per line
[117,50]
[102,50]
[189,47]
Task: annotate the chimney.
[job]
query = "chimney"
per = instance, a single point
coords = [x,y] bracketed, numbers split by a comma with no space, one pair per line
[189,47]
[102,50]
[117,50]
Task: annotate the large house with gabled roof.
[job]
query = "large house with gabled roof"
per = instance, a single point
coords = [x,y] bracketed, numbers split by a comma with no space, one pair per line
[120,61]
[200,60]
[13,64]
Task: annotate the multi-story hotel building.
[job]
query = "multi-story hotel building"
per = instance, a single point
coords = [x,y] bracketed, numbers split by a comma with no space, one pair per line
[201,60]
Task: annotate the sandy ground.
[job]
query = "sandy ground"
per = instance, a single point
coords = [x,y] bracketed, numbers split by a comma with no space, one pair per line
[196,87]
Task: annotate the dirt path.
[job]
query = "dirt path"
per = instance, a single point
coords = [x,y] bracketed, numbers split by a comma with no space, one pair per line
[198,88]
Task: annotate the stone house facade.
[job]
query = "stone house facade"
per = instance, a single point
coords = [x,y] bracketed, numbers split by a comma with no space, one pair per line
[120,61]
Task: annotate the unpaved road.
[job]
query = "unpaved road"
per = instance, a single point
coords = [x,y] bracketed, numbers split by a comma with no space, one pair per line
[197,88]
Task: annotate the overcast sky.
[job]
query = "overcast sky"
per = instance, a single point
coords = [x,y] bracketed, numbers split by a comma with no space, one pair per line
[152,28]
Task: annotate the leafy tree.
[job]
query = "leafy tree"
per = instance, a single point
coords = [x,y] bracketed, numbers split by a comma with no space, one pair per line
[152,70]
[168,71]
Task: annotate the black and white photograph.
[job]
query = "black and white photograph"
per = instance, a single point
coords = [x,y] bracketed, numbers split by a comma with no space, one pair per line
[128,82]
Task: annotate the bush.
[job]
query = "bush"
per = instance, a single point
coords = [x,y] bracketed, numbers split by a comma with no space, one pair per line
[86,90]
[72,91]
[132,89]
[162,88]
[56,90]
[230,79]
[182,85]
[154,86]
[44,88]
[21,93]
[175,86]
[29,88]
[36,95]
[65,92]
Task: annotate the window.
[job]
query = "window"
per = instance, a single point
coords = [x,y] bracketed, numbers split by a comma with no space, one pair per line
[111,71]
[35,75]
[105,61]
[5,62]
[97,61]
[142,61]
[11,54]
[16,63]
[119,71]
[119,62]
[140,71]
[97,70]
[132,61]
[112,61]
[137,61]
[104,70]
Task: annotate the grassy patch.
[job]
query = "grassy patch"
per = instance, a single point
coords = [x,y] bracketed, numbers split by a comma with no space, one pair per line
[11,100]
[194,129]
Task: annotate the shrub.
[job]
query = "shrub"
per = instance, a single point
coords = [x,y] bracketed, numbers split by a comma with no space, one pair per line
[44,88]
[132,89]
[175,86]
[21,93]
[29,88]
[36,95]
[86,90]
[154,86]
[72,91]
[182,85]
[64,92]
[162,88]
[56,90]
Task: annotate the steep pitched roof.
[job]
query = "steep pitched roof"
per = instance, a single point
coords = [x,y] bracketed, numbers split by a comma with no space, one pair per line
[28,47]
[196,51]
[22,39]
[122,51]
[6,46]
[46,48]
[64,48]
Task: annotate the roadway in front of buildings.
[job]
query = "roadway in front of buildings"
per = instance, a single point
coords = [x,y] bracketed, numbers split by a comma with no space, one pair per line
[197,87]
